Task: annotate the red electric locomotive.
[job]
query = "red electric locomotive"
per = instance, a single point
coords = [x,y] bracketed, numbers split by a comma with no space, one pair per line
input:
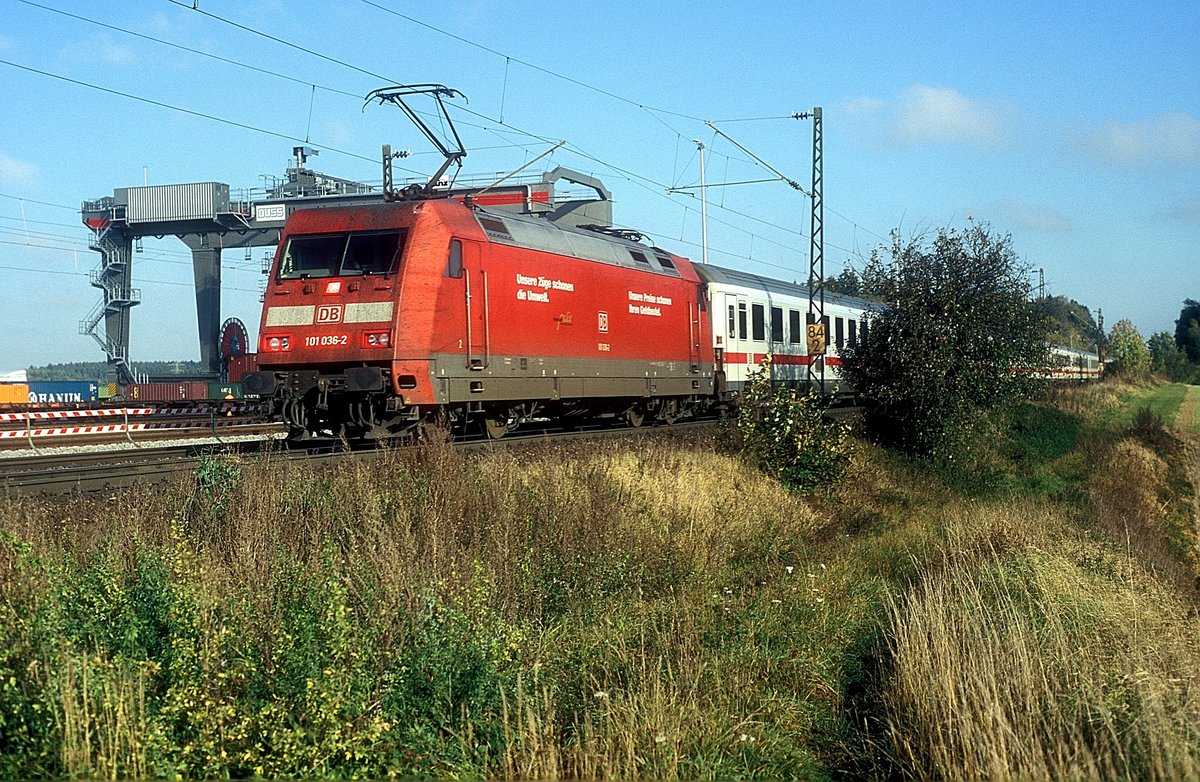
[382,317]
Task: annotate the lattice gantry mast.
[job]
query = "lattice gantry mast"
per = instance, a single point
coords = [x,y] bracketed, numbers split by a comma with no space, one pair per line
[818,329]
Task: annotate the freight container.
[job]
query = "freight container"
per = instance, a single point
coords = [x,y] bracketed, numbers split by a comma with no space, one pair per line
[166,392]
[224,390]
[14,393]
[240,366]
[157,203]
[62,392]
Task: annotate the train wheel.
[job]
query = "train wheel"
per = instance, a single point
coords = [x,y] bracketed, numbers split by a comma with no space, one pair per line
[634,416]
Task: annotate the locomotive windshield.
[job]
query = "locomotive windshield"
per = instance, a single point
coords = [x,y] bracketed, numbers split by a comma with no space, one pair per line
[341,254]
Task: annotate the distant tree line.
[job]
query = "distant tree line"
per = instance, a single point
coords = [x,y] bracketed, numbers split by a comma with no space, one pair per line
[100,373]
[1177,357]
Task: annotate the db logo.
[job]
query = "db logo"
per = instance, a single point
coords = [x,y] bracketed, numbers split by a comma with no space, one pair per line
[603,322]
[329,313]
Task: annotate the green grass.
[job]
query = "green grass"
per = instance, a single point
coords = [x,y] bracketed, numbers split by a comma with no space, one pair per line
[1163,400]
[658,610]
[1192,404]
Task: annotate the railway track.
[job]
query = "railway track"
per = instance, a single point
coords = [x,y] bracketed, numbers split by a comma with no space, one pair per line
[103,468]
[159,445]
[32,428]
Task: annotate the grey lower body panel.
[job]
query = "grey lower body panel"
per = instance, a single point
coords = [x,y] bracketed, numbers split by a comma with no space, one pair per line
[508,378]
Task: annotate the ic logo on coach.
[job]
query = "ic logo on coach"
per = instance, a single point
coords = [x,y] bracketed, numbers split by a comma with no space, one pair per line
[329,313]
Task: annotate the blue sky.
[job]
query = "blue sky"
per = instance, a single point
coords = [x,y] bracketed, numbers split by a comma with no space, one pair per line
[1074,127]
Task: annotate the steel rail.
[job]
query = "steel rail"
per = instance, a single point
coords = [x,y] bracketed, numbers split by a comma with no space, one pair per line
[51,475]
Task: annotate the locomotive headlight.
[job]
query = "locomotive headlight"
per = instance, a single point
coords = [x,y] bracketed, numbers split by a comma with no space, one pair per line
[376,339]
[277,343]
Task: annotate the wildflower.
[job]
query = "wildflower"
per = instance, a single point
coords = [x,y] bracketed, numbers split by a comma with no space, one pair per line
[789,569]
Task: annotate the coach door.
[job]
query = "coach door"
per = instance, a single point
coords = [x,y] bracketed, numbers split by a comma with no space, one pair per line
[478,336]
[737,332]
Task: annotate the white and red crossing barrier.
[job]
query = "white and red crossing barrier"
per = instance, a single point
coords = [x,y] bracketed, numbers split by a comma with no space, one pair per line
[44,415]
[73,430]
[31,424]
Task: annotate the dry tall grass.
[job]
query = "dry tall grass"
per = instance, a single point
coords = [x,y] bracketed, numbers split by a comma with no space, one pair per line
[1064,662]
[614,582]
[596,611]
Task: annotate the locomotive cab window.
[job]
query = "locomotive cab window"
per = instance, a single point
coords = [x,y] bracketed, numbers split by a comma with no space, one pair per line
[371,253]
[343,254]
[312,256]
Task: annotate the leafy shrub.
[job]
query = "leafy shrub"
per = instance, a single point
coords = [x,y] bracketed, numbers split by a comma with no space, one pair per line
[782,432]
[942,352]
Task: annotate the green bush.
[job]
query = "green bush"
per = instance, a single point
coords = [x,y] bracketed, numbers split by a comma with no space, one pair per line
[782,432]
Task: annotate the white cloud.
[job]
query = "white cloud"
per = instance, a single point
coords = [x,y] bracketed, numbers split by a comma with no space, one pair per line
[864,104]
[1171,138]
[110,52]
[159,22]
[1016,216]
[103,50]
[16,173]
[937,114]
[1188,211]
[928,115]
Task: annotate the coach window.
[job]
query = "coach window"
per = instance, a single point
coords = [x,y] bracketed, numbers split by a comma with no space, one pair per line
[741,320]
[758,317]
[794,327]
[839,327]
[732,323]
[777,324]
[853,336]
[864,331]
[454,267]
